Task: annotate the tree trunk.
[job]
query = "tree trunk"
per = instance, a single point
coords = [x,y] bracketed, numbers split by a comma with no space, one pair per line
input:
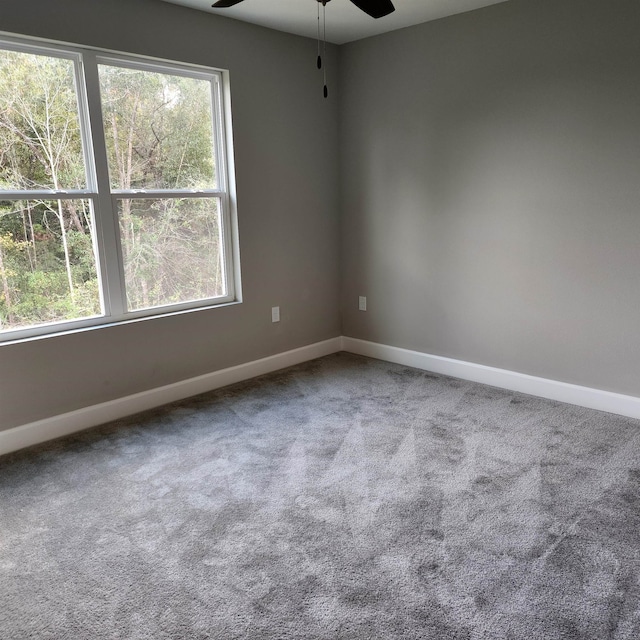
[33,237]
[73,213]
[6,291]
[65,247]
[25,234]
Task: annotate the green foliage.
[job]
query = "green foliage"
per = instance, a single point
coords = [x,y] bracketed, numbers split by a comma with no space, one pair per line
[39,125]
[159,135]
[171,251]
[34,286]
[158,130]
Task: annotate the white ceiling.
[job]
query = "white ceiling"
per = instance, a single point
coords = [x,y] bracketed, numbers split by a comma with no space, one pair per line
[345,22]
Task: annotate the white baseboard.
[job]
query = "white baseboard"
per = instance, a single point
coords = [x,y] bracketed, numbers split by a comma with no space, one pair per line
[542,387]
[36,432]
[62,425]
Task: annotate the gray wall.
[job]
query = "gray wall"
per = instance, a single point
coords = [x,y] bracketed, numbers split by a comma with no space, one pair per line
[491,189]
[285,150]
[489,193]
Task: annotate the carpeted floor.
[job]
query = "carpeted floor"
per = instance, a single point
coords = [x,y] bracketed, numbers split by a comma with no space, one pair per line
[344,498]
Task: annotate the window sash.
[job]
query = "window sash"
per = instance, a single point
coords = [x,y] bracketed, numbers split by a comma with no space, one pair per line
[104,199]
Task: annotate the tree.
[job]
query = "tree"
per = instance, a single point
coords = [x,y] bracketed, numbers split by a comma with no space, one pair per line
[41,149]
[159,135]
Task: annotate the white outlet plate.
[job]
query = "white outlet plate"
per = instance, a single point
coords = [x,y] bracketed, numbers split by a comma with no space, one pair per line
[275,314]
[362,303]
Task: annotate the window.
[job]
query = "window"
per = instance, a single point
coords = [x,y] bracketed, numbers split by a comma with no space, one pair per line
[114,195]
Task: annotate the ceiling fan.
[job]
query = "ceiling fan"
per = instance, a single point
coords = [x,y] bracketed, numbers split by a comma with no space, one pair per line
[374,8]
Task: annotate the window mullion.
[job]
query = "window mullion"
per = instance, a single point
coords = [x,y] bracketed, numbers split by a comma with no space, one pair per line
[226,182]
[38,194]
[144,194]
[110,257]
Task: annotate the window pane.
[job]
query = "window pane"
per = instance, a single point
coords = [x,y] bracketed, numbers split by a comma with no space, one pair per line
[47,263]
[158,129]
[172,251]
[40,139]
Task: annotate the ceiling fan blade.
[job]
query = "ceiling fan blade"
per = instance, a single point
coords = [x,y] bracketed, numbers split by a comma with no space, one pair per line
[375,8]
[223,4]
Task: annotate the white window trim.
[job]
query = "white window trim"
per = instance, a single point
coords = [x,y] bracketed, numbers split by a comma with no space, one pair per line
[104,198]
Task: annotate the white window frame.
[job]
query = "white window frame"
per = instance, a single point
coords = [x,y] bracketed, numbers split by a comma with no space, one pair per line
[104,199]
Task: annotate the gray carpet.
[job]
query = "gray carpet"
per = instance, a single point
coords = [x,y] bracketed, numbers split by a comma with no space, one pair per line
[345,498]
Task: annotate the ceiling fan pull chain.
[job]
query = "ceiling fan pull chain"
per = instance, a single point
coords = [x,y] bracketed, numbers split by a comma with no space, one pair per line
[373,8]
[319,56]
[325,90]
